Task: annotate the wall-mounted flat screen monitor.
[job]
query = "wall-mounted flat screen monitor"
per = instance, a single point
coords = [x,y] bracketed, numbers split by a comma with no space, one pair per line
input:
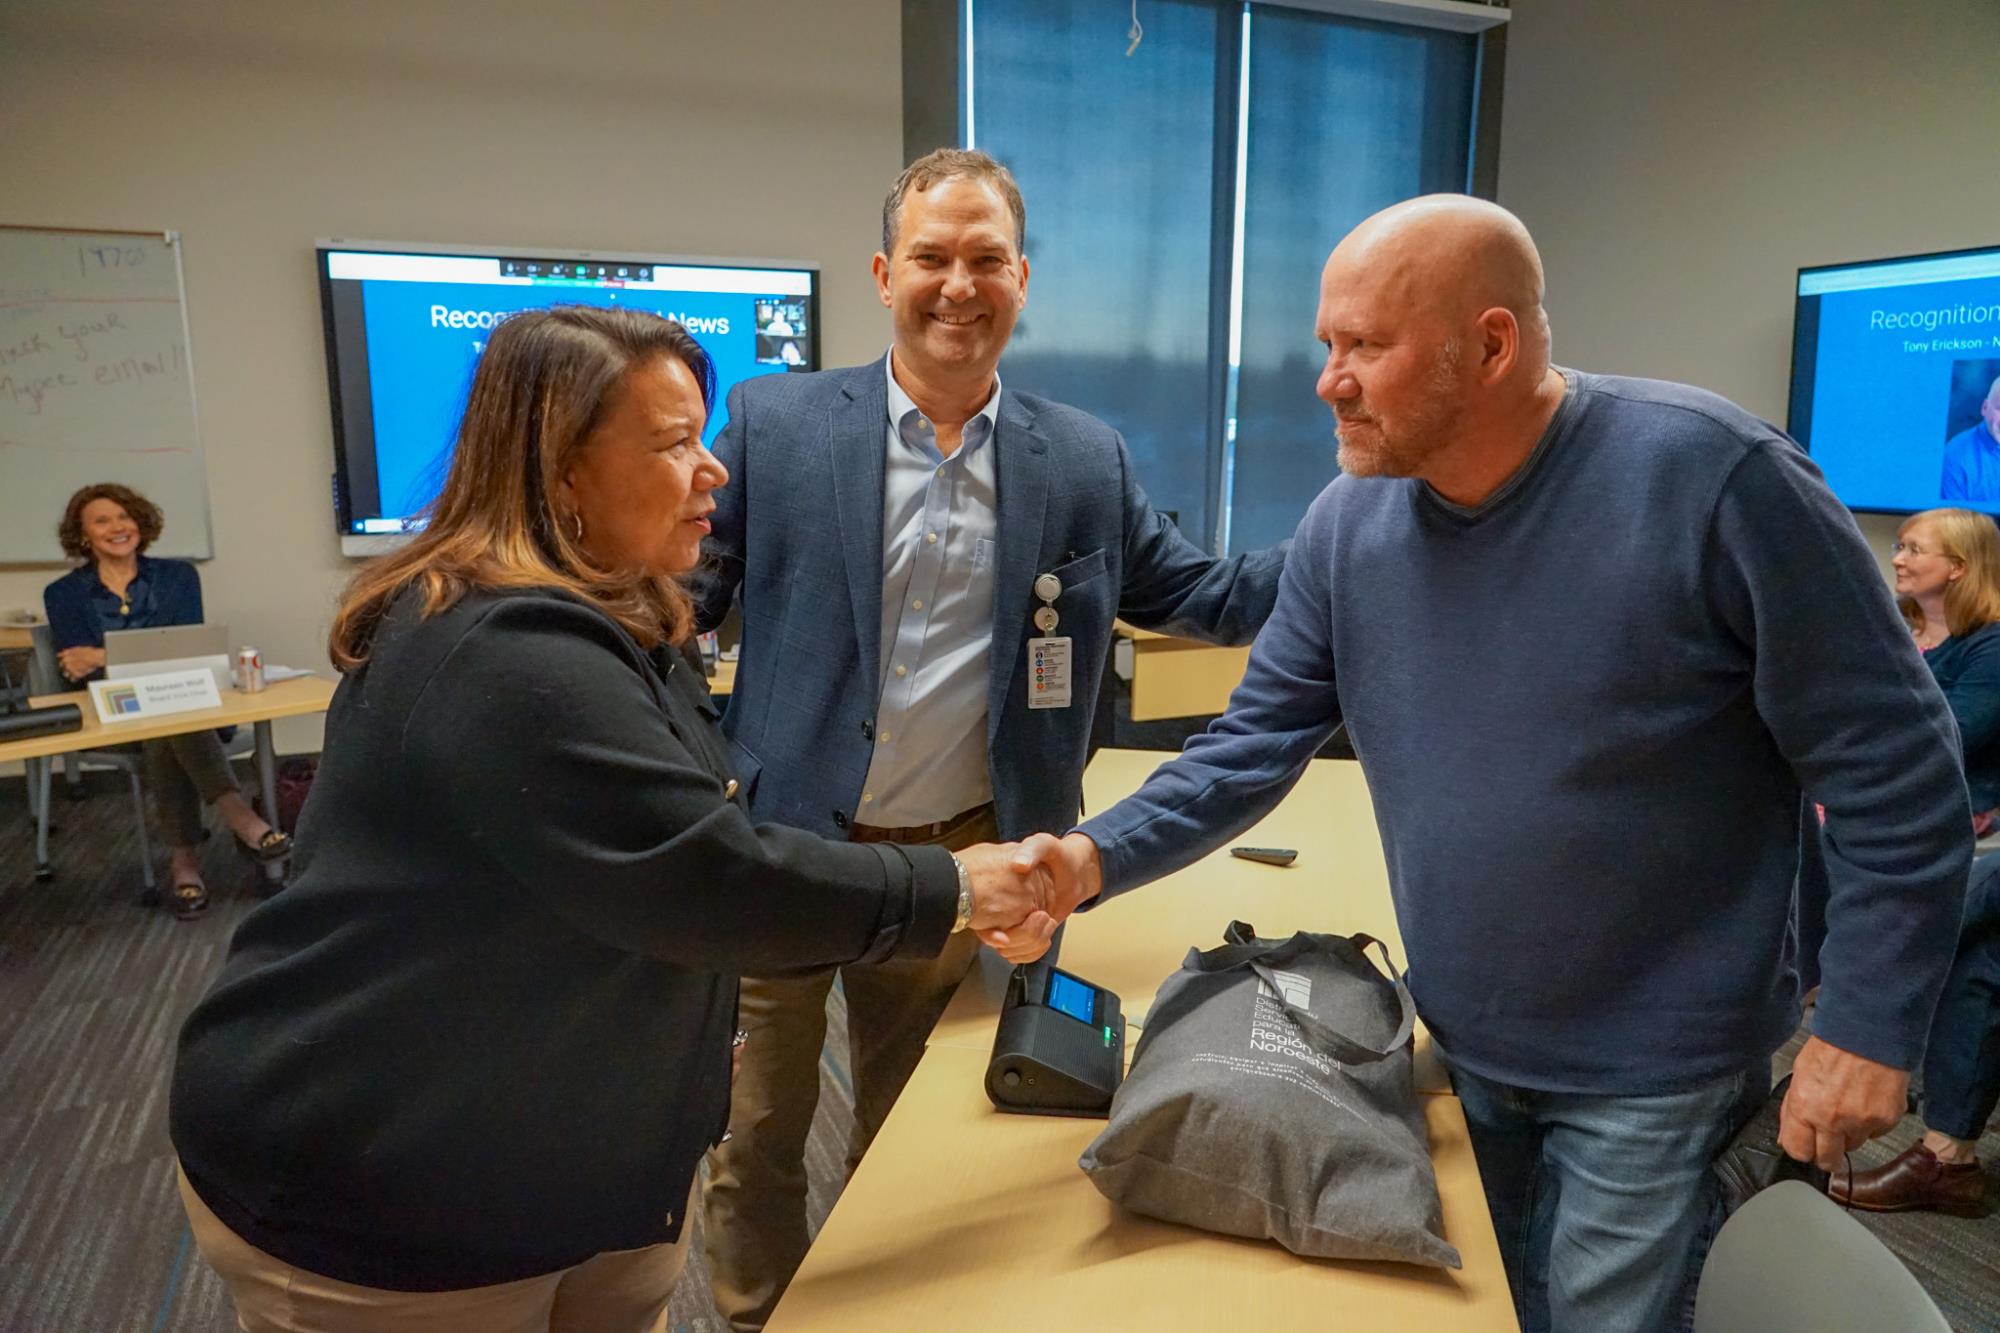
[405,325]
[1896,380]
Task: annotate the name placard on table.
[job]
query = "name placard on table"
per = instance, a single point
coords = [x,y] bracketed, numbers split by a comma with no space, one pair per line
[138,697]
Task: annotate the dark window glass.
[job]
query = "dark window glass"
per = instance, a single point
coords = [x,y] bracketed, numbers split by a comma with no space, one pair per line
[1126,170]
[1116,160]
[1346,117]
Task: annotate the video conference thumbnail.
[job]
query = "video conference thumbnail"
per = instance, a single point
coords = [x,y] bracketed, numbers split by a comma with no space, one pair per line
[781,334]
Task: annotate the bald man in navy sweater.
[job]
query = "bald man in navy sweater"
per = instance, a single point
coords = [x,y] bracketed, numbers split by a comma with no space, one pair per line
[1592,637]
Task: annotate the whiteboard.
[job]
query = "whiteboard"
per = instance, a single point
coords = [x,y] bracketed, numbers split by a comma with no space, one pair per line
[95,385]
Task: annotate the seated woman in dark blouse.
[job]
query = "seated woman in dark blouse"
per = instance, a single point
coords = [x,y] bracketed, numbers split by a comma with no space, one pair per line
[1947,564]
[118,586]
[461,1073]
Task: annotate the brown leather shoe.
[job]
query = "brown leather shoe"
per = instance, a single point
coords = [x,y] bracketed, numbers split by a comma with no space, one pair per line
[1913,1179]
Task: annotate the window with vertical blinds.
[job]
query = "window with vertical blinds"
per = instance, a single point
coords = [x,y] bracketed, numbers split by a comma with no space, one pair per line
[1116,160]
[1181,200]
[1346,117]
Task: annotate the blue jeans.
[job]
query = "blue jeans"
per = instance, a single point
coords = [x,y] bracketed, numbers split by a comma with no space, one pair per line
[1962,1061]
[1604,1205]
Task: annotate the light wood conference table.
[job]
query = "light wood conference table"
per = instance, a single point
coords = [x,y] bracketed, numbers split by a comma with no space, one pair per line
[1180,677]
[724,679]
[960,1217]
[1339,885]
[290,698]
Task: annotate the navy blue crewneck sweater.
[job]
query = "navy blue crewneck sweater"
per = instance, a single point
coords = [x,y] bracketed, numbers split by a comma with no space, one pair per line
[1586,710]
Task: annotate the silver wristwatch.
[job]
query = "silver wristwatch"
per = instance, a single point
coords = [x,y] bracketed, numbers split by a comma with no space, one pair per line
[964,896]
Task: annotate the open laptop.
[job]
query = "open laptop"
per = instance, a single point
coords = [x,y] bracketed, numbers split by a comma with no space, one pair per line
[145,652]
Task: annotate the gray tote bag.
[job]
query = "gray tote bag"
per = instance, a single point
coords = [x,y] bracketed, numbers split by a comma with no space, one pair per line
[1271,1096]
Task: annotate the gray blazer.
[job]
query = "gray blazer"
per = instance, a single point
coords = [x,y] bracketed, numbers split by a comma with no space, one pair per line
[798,536]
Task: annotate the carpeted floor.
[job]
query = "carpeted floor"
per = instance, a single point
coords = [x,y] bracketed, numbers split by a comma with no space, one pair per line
[92,992]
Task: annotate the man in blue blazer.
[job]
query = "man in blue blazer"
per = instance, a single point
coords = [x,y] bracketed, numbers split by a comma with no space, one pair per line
[894,532]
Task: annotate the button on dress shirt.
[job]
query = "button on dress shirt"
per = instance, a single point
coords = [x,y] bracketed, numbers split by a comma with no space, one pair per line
[939,522]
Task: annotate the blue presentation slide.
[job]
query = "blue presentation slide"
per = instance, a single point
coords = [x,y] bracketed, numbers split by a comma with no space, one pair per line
[1895,382]
[406,330]
[424,339]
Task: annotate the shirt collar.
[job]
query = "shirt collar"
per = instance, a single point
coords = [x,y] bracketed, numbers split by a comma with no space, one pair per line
[909,422]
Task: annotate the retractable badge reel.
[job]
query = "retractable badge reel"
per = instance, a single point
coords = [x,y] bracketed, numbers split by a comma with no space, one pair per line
[1048,656]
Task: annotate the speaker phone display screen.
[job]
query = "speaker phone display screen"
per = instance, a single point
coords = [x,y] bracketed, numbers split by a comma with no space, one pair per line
[1069,996]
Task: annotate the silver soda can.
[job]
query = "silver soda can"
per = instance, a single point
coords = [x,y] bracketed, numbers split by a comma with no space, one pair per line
[249,671]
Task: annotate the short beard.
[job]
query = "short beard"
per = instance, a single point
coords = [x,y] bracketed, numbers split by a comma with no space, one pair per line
[1408,444]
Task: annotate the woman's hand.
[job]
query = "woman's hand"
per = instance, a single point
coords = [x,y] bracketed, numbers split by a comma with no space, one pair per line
[76,663]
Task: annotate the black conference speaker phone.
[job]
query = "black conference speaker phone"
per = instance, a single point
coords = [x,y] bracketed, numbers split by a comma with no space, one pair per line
[1059,1048]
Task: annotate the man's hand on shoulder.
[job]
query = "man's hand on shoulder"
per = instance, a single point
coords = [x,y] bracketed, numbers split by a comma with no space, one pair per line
[1837,1102]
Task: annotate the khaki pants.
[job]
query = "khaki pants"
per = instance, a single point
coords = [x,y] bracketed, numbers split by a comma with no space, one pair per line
[186,772]
[754,1223]
[619,1291]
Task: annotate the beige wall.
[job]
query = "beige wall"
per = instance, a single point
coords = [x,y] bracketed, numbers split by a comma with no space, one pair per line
[766,128]
[1677,161]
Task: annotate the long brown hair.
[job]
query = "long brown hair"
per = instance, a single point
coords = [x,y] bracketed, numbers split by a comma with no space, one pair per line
[1972,600]
[540,388]
[136,506]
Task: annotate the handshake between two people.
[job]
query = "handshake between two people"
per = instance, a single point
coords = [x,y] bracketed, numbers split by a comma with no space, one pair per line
[1021,891]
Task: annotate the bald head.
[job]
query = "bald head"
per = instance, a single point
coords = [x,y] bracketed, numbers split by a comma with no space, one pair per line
[1437,344]
[1450,257]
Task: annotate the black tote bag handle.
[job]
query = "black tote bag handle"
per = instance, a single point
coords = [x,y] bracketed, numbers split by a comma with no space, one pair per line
[1243,949]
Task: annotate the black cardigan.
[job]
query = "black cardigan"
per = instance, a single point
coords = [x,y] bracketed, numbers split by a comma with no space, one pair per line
[485,1033]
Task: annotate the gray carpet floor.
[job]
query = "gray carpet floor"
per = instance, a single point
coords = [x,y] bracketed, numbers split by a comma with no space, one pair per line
[92,992]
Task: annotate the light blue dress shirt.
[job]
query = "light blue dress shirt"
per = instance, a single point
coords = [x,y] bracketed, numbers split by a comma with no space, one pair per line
[939,521]
[1971,467]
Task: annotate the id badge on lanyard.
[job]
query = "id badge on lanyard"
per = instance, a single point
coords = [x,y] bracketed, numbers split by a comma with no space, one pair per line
[1049,677]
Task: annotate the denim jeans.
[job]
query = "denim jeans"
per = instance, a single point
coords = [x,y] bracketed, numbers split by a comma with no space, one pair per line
[1962,1061]
[1605,1205]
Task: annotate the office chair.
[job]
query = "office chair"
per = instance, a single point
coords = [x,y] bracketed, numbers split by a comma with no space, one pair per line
[1792,1261]
[44,678]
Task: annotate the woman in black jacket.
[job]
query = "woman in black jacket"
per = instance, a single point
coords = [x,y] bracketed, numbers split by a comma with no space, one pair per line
[460,1074]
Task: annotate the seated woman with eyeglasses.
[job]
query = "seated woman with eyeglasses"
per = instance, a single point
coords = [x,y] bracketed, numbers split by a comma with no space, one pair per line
[1947,564]
[118,586]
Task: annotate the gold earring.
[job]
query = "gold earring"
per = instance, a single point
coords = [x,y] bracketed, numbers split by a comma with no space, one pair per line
[577,518]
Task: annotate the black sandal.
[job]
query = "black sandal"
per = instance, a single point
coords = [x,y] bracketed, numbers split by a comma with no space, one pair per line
[275,845]
[190,899]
